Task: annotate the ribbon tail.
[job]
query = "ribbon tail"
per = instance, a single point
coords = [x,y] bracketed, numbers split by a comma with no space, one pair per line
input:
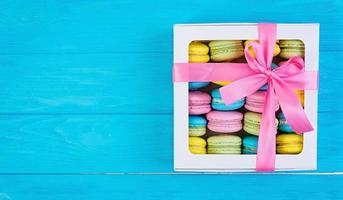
[291,108]
[242,88]
[266,150]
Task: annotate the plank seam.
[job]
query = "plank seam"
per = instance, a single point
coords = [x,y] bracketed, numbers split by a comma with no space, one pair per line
[339,173]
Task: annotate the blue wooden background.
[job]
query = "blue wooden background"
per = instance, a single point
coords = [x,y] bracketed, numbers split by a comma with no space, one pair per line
[86,100]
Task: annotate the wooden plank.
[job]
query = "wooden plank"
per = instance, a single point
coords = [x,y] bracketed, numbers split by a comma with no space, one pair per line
[112,83]
[143,26]
[268,187]
[96,83]
[97,143]
[113,143]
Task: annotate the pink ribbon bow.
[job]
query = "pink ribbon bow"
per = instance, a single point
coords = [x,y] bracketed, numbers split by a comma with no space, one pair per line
[251,76]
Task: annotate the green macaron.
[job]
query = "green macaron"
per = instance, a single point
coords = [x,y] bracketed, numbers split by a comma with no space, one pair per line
[226,50]
[290,48]
[252,122]
[224,144]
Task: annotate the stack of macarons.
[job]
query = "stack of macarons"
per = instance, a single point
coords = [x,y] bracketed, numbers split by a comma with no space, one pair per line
[199,103]
[289,143]
[226,50]
[290,48]
[218,104]
[283,125]
[252,120]
[198,53]
[250,144]
[224,144]
[197,145]
[252,123]
[224,122]
[230,50]
[217,128]
[197,125]
[255,102]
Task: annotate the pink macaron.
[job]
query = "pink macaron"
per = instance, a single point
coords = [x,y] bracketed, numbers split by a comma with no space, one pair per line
[199,103]
[255,102]
[224,121]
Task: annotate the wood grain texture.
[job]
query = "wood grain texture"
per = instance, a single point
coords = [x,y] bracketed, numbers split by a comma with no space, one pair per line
[68,70]
[112,143]
[86,83]
[171,187]
[55,26]
[112,83]
[98,143]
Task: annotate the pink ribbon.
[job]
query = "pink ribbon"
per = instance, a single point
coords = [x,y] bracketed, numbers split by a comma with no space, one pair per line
[249,77]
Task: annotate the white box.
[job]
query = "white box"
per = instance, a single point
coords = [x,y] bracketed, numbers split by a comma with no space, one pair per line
[186,161]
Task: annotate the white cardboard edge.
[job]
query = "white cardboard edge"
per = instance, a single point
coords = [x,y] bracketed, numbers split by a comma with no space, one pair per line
[183,159]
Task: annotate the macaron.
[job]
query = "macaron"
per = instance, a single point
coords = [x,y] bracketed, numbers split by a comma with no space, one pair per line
[255,102]
[283,125]
[290,48]
[224,144]
[265,86]
[198,52]
[199,103]
[197,145]
[252,122]
[197,85]
[289,143]
[252,52]
[225,50]
[300,95]
[196,125]
[224,121]
[222,83]
[218,104]
[250,144]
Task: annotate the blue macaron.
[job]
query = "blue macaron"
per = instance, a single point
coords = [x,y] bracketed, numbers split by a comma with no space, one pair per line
[250,145]
[195,120]
[197,125]
[218,104]
[197,85]
[265,86]
[283,124]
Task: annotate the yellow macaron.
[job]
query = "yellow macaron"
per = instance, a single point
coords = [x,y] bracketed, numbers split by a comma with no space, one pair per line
[198,52]
[197,145]
[289,143]
[300,95]
[251,50]
[222,83]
